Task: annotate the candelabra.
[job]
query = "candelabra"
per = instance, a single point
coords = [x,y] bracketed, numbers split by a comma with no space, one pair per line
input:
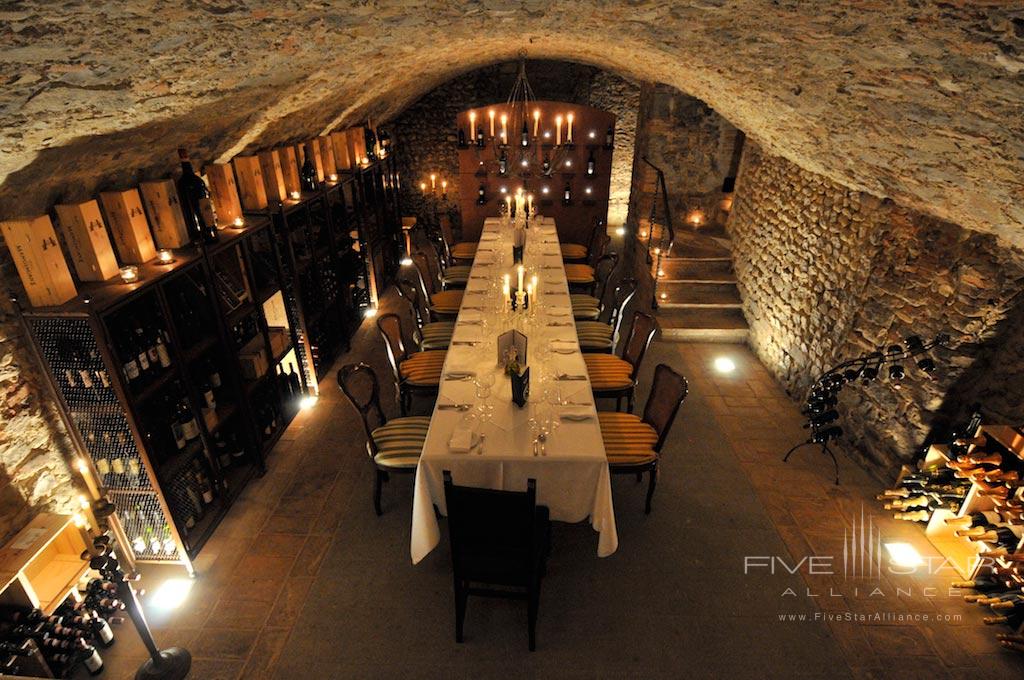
[822,397]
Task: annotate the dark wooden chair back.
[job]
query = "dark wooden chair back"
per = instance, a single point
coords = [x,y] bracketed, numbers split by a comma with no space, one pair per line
[390,327]
[599,247]
[493,533]
[640,336]
[358,382]
[409,291]
[447,235]
[668,390]
[624,292]
[603,273]
[427,275]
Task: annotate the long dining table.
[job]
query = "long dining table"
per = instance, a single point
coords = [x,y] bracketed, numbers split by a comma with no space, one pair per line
[555,438]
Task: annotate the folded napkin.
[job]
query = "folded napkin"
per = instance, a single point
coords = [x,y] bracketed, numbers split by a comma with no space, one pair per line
[575,415]
[463,439]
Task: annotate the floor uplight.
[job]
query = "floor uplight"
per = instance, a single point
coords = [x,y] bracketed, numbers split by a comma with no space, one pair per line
[308,402]
[725,365]
[370,312]
[904,555]
[171,594]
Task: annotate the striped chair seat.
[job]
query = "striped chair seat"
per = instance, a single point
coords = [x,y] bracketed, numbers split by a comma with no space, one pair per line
[446,302]
[608,372]
[399,442]
[627,439]
[585,307]
[437,335]
[464,251]
[579,273]
[594,336]
[456,275]
[574,251]
[423,368]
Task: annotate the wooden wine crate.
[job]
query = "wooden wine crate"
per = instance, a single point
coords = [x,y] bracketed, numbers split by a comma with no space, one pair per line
[961,553]
[38,258]
[1007,436]
[342,157]
[327,153]
[290,168]
[251,186]
[312,146]
[357,145]
[224,191]
[88,242]
[128,224]
[273,175]
[42,563]
[164,209]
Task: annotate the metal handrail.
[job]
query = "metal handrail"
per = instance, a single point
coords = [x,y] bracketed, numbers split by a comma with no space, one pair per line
[668,230]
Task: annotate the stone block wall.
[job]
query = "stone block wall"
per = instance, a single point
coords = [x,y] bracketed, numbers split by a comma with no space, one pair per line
[828,273]
[693,145]
[426,136]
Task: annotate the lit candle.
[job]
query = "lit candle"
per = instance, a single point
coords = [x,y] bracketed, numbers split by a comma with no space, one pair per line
[504,129]
[444,187]
[433,182]
[529,204]
[536,121]
[333,177]
[423,187]
[83,469]
[239,222]
[164,256]
[472,124]
[558,130]
[295,195]
[529,290]
[490,114]
[508,204]
[508,283]
[533,282]
[521,271]
[130,273]
[568,136]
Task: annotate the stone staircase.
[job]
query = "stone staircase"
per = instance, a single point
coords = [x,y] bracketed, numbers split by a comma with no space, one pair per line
[697,297]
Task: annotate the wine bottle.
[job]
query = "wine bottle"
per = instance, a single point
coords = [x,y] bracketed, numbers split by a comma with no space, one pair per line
[208,395]
[307,176]
[609,137]
[236,449]
[502,164]
[591,165]
[213,374]
[196,203]
[294,384]
[545,165]
[913,516]
[89,657]
[524,136]
[481,195]
[974,519]
[567,194]
[163,356]
[462,138]
[480,136]
[187,420]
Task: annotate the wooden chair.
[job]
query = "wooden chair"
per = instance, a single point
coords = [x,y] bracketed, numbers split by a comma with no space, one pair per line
[589,307]
[426,335]
[579,251]
[611,376]
[393,445]
[450,275]
[582,275]
[599,336]
[633,444]
[498,538]
[466,250]
[442,304]
[416,373]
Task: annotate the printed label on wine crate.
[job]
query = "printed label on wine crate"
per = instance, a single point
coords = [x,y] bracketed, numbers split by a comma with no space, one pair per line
[87,240]
[164,209]
[251,178]
[339,140]
[273,176]
[290,167]
[225,193]
[129,226]
[327,153]
[38,258]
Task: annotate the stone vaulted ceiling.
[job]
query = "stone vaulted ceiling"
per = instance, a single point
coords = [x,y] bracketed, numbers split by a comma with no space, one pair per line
[916,100]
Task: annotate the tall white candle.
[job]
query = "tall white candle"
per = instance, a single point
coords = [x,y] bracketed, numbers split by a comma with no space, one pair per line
[536,121]
[472,125]
[504,129]
[433,181]
[490,114]
[521,270]
[558,130]
[529,204]
[533,284]
[568,136]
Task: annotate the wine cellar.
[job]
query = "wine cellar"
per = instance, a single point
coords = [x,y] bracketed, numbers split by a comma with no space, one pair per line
[179,379]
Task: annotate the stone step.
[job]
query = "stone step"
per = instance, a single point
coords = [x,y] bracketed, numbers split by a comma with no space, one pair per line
[702,325]
[682,294]
[686,269]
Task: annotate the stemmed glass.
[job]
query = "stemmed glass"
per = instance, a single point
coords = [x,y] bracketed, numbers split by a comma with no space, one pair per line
[484,383]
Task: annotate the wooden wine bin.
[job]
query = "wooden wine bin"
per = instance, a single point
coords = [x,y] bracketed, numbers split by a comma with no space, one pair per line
[224,192]
[38,258]
[290,168]
[313,146]
[88,243]
[273,178]
[250,172]
[129,226]
[327,153]
[42,564]
[165,216]
[342,157]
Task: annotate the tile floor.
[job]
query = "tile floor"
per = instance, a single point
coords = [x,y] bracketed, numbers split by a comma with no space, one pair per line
[302,580]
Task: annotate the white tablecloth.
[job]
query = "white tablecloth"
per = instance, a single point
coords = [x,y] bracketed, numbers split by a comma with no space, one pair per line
[572,477]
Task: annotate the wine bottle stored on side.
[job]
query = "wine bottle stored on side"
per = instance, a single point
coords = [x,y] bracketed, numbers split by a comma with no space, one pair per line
[196,203]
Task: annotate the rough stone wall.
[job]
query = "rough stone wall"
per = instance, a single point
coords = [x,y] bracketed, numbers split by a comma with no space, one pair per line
[828,273]
[426,136]
[34,475]
[693,145]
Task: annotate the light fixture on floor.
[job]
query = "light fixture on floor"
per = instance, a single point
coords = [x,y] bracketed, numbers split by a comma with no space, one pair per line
[406,262]
[171,594]
[308,402]
[724,365]
[904,555]
[621,231]
[370,312]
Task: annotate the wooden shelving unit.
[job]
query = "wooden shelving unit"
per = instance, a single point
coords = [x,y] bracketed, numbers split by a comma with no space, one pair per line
[277,295]
[42,564]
